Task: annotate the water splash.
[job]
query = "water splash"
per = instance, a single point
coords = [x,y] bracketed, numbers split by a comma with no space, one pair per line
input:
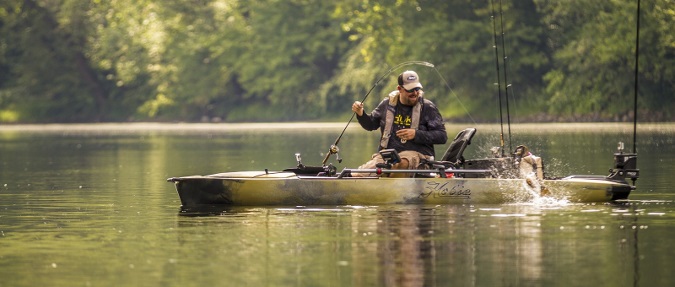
[530,192]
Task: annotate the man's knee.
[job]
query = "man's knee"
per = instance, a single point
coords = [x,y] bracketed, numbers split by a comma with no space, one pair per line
[404,164]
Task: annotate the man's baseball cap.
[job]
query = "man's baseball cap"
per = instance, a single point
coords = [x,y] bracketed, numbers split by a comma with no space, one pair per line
[409,80]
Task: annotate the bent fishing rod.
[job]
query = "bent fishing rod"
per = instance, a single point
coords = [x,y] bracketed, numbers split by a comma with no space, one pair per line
[334,147]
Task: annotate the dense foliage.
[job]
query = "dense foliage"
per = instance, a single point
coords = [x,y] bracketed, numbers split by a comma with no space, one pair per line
[289,60]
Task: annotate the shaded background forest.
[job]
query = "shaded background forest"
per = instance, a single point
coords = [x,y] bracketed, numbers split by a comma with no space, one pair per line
[306,60]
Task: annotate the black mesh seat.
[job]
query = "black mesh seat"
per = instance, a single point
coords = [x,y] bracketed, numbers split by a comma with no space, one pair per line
[454,152]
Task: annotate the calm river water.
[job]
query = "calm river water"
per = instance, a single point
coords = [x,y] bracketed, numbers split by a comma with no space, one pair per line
[89,205]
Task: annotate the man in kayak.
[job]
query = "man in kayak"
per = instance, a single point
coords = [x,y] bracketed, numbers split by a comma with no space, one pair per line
[409,124]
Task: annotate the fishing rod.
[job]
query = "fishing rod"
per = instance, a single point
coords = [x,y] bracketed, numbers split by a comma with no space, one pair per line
[506,81]
[499,80]
[637,53]
[334,147]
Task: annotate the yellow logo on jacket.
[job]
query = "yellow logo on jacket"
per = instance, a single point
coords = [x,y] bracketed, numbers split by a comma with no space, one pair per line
[398,120]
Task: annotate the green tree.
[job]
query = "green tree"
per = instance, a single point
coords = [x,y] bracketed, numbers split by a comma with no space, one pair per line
[51,77]
[273,60]
[456,36]
[201,41]
[293,47]
[73,61]
[125,47]
[594,44]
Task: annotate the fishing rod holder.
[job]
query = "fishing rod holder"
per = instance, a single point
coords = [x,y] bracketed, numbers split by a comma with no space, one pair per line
[301,169]
[625,165]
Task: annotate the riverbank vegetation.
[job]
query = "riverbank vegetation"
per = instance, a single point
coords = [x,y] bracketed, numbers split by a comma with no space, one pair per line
[308,60]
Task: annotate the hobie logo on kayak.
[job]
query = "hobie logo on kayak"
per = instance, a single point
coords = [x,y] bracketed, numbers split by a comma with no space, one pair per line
[445,189]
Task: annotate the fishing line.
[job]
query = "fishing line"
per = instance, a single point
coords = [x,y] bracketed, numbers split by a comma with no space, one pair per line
[452,92]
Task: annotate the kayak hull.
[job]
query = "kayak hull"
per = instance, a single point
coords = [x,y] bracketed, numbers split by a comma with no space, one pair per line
[262,188]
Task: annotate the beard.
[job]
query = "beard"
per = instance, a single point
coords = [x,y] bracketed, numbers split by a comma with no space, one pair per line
[411,98]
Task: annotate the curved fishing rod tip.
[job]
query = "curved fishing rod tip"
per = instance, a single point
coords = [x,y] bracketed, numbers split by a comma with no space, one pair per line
[423,63]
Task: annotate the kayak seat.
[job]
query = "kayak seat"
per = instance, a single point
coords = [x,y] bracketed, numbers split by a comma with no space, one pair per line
[456,148]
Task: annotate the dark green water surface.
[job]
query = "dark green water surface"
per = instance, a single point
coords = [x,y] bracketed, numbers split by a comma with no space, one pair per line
[89,205]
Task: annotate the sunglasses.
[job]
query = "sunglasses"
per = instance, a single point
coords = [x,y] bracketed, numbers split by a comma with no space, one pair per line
[412,90]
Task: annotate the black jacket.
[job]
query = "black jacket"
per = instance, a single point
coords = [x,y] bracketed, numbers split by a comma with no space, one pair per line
[431,128]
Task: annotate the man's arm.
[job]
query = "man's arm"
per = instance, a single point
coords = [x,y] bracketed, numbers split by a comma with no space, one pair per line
[371,121]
